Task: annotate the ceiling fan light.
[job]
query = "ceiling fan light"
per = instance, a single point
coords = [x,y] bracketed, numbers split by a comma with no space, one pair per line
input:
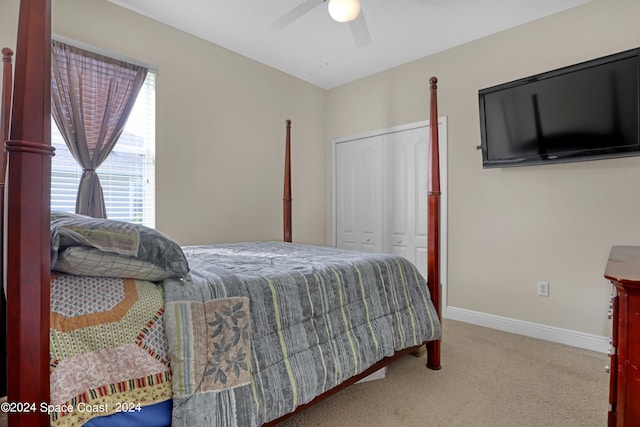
[344,10]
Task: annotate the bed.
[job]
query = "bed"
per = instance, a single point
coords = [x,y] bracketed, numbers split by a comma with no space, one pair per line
[109,319]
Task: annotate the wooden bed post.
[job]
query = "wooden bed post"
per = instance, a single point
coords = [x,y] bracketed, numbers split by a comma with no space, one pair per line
[433,223]
[287,186]
[27,211]
[5,120]
[5,109]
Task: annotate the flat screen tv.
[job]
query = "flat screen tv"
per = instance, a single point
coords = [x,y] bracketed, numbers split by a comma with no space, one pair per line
[582,112]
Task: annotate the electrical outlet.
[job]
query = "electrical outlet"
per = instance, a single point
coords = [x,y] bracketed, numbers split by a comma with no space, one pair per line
[543,289]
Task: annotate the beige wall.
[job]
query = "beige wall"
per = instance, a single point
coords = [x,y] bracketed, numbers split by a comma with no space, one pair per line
[507,228]
[510,228]
[220,128]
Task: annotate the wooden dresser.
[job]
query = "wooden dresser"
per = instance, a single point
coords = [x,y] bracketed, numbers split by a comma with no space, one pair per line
[623,270]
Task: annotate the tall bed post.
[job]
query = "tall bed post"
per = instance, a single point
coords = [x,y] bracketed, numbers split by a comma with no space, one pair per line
[5,109]
[433,222]
[27,210]
[5,120]
[287,186]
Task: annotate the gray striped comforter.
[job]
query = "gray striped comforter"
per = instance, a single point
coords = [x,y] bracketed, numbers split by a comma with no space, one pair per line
[261,328]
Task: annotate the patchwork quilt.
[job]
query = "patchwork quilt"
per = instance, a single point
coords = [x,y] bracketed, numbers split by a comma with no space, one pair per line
[108,347]
[260,328]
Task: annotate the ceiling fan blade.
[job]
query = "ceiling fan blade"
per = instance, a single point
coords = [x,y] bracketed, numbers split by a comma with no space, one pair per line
[296,13]
[360,31]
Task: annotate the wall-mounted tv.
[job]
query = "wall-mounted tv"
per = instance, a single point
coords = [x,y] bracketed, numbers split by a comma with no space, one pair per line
[582,112]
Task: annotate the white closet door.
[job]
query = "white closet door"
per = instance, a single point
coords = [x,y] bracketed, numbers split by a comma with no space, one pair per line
[381,189]
[405,194]
[358,194]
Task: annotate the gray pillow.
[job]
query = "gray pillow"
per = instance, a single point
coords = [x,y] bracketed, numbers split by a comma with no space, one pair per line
[115,244]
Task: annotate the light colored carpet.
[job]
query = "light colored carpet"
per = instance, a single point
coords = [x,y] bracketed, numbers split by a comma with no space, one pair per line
[488,378]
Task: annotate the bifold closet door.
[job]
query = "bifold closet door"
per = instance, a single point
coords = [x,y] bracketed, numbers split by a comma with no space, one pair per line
[405,190]
[359,194]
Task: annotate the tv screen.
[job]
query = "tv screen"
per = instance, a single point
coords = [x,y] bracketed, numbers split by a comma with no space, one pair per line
[581,112]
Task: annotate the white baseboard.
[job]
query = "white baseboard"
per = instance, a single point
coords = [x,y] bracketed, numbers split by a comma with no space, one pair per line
[533,330]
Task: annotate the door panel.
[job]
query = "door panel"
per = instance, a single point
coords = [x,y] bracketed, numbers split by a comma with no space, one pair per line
[405,192]
[358,195]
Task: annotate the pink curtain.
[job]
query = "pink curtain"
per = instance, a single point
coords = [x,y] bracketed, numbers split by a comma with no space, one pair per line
[91,98]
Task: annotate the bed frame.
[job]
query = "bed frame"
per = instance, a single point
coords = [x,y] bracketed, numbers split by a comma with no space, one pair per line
[24,207]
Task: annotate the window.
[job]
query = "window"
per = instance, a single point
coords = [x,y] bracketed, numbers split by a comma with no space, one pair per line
[127,175]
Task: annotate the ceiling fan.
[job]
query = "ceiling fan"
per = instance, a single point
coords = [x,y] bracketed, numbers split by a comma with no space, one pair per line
[340,10]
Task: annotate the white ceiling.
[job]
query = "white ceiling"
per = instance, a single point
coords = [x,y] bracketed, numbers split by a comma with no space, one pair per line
[321,51]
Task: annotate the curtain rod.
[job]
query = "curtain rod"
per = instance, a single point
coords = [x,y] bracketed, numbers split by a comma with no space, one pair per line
[94,49]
